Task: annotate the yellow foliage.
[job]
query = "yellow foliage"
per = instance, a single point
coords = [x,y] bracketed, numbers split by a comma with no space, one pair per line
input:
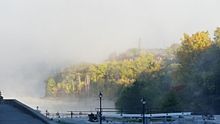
[217,36]
[197,42]
[51,86]
[81,85]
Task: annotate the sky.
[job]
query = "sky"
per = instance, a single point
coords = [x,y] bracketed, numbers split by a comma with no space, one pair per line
[39,36]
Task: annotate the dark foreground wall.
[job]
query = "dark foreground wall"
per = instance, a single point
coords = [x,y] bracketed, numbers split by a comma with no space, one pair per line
[12,111]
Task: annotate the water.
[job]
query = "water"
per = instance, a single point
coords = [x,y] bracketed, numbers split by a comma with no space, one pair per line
[63,105]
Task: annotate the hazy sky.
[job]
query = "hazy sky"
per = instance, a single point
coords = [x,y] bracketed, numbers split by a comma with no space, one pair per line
[36,35]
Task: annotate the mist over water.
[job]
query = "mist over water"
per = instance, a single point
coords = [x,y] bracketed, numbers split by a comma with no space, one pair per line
[54,105]
[39,38]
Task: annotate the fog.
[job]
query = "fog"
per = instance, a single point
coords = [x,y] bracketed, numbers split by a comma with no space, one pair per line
[40,37]
[54,105]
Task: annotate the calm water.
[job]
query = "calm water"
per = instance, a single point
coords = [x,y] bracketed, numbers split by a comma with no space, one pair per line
[63,105]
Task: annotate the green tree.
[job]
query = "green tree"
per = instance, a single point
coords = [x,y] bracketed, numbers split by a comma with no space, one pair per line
[171,102]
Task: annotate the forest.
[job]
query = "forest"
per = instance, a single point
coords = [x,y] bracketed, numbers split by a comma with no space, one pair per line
[183,77]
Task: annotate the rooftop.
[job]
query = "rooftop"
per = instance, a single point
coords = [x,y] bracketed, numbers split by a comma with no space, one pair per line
[15,112]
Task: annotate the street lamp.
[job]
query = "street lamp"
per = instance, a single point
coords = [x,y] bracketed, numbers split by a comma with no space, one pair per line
[100,103]
[1,97]
[143,109]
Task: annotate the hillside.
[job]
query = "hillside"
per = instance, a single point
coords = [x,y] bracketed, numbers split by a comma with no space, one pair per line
[182,77]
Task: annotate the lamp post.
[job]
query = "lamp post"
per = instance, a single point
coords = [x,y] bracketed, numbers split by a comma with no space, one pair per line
[1,97]
[100,103]
[143,109]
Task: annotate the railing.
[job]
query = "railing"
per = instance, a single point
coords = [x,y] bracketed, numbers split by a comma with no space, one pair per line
[66,115]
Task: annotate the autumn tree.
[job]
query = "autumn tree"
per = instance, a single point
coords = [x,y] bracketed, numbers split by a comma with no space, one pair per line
[217,36]
[51,87]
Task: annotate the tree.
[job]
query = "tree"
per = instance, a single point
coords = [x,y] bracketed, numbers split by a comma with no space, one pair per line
[192,46]
[217,36]
[170,102]
[150,85]
[51,87]
[198,58]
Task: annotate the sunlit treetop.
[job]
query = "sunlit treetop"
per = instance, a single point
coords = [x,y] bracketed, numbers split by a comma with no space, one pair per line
[192,46]
[196,42]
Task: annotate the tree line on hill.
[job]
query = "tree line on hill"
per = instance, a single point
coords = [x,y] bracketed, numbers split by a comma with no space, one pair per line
[183,77]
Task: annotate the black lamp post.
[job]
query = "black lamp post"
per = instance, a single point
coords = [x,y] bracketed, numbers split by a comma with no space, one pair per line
[100,112]
[1,97]
[143,109]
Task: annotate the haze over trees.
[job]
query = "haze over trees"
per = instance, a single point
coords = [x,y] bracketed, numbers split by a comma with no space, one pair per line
[183,77]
